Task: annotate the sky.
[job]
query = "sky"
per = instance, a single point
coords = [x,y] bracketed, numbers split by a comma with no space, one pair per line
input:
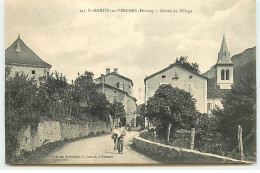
[138,44]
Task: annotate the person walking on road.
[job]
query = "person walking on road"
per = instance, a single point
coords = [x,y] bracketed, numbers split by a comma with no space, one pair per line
[120,146]
[115,137]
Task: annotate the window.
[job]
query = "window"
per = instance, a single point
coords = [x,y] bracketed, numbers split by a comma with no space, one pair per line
[163,76]
[222,74]
[163,83]
[190,88]
[227,74]
[190,77]
[33,71]
[115,96]
[117,84]
[175,76]
[225,54]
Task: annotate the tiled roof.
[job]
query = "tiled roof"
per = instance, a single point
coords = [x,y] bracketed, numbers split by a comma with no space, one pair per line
[213,91]
[174,65]
[20,55]
[110,86]
[113,73]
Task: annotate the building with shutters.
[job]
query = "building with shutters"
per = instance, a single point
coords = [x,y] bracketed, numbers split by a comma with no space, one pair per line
[182,77]
[21,58]
[119,88]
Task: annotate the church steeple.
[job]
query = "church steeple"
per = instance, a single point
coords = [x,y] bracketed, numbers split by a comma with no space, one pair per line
[224,54]
[224,67]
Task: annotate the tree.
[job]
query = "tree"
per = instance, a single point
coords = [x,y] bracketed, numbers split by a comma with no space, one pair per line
[52,89]
[183,61]
[116,110]
[239,108]
[84,88]
[20,109]
[83,91]
[171,105]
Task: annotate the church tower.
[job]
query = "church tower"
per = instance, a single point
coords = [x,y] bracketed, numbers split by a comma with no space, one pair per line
[224,67]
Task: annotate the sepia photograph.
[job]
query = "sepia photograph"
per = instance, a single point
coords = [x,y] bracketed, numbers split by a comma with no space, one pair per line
[130,82]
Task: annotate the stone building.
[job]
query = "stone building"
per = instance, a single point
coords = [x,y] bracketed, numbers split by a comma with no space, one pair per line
[22,59]
[223,80]
[182,77]
[119,88]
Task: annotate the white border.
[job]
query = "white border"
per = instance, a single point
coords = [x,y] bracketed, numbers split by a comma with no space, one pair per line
[110,169]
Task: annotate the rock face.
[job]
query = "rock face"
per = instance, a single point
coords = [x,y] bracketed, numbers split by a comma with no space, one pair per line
[244,65]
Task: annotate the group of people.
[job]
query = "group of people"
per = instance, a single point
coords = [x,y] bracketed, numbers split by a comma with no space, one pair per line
[118,137]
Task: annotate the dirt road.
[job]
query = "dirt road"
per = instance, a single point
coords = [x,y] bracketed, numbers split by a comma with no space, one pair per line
[94,150]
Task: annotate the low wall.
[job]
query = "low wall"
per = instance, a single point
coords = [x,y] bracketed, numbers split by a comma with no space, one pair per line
[52,131]
[169,154]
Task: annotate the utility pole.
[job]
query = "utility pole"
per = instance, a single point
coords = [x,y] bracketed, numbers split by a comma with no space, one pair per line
[103,83]
[139,91]
[240,142]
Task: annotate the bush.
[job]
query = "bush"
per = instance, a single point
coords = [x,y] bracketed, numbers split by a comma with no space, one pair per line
[207,138]
[239,108]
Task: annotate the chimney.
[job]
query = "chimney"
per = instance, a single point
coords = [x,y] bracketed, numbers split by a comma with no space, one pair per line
[102,78]
[115,70]
[107,70]
[18,47]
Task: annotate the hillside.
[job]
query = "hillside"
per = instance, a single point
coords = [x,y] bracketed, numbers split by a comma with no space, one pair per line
[244,65]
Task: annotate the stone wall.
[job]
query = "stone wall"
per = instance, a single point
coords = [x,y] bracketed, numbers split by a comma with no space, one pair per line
[169,154]
[53,131]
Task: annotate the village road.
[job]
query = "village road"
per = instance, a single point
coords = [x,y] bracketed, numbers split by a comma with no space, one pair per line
[94,150]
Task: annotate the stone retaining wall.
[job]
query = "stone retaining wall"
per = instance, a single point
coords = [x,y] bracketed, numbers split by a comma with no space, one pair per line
[52,131]
[169,154]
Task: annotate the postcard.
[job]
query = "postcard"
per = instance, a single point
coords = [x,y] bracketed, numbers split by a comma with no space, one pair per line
[133,82]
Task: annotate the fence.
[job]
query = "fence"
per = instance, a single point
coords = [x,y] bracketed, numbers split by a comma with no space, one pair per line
[186,139]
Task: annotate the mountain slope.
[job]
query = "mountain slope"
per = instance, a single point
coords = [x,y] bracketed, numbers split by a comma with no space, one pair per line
[244,65]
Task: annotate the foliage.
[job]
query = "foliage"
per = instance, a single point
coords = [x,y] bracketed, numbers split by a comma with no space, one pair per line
[207,138]
[183,61]
[171,105]
[28,99]
[52,88]
[83,90]
[20,108]
[239,108]
[116,109]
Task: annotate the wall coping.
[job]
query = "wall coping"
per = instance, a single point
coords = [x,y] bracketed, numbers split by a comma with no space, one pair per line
[192,151]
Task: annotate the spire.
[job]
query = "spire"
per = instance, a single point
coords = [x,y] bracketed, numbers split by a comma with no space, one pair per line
[18,36]
[224,44]
[224,54]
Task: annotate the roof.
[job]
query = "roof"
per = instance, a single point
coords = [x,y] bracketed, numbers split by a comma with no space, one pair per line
[174,65]
[110,86]
[215,93]
[224,55]
[20,55]
[113,73]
